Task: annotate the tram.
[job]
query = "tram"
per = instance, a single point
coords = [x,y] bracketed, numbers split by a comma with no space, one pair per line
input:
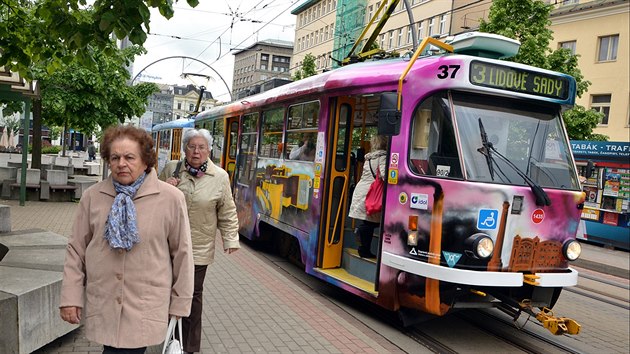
[482,200]
[168,140]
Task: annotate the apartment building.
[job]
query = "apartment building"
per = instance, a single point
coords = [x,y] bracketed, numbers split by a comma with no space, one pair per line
[268,60]
[185,100]
[327,28]
[160,105]
[598,31]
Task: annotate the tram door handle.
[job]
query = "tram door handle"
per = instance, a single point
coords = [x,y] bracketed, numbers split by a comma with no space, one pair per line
[340,207]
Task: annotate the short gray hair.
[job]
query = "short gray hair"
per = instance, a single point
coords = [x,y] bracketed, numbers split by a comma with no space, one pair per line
[194,133]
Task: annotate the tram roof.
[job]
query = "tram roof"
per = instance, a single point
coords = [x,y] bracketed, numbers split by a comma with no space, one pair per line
[178,123]
[381,73]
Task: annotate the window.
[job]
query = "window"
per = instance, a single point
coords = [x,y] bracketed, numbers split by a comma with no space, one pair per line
[431,23]
[442,24]
[420,31]
[191,107]
[217,141]
[370,13]
[326,33]
[378,4]
[179,105]
[272,125]
[390,43]
[301,130]
[247,149]
[409,37]
[321,35]
[382,41]
[570,45]
[400,35]
[263,66]
[608,48]
[601,104]
[433,147]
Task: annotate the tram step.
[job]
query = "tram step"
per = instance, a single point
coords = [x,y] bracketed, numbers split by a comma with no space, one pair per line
[364,268]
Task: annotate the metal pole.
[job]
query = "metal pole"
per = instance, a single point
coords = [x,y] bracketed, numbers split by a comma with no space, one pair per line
[26,130]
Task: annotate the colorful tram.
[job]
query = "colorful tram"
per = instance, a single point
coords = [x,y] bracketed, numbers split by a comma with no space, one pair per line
[482,201]
[168,140]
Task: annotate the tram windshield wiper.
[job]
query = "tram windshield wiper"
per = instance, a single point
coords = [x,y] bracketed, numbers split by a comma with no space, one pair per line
[488,148]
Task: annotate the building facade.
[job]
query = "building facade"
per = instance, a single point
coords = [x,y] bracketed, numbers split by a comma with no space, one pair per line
[327,29]
[160,105]
[263,61]
[185,100]
[598,31]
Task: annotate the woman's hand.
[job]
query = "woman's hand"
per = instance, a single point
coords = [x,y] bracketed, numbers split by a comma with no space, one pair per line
[172,181]
[231,250]
[71,314]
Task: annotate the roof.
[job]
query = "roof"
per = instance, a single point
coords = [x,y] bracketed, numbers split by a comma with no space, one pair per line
[303,6]
[268,42]
[589,5]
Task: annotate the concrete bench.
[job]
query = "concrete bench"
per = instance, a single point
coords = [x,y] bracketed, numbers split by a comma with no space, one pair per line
[31,270]
[57,192]
[11,190]
[81,186]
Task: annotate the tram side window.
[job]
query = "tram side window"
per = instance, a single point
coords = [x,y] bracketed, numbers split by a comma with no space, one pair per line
[217,144]
[302,131]
[248,149]
[433,148]
[272,125]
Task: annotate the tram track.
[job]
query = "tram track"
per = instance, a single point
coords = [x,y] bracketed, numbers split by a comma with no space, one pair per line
[609,291]
[524,339]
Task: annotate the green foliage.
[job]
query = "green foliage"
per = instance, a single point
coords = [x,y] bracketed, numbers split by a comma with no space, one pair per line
[56,32]
[10,107]
[54,132]
[88,98]
[53,150]
[580,123]
[528,22]
[307,69]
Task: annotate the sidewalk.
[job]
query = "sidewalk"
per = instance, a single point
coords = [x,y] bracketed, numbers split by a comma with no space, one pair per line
[249,306]
[252,306]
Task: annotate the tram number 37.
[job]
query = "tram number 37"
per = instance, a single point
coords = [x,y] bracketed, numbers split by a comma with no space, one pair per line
[447,70]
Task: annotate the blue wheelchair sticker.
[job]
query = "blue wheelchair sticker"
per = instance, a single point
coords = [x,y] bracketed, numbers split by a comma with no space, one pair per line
[488,219]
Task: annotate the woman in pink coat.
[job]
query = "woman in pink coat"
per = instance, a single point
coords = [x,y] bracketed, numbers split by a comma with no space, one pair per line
[129,264]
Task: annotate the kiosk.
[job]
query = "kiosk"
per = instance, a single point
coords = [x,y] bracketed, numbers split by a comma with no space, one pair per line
[606,213]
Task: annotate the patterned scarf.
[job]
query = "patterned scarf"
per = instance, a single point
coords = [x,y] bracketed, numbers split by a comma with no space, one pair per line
[121,229]
[197,172]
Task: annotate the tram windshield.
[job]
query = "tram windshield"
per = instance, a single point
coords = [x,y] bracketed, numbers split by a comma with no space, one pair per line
[510,141]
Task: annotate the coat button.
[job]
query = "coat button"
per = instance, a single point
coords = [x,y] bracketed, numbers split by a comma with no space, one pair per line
[119,300]
[119,276]
[120,251]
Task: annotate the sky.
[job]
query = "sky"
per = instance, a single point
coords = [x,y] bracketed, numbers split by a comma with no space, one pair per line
[207,33]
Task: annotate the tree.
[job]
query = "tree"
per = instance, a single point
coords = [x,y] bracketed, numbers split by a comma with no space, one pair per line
[92,98]
[57,32]
[528,22]
[307,69]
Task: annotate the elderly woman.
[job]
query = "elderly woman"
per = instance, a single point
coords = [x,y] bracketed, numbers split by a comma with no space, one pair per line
[374,160]
[130,251]
[210,208]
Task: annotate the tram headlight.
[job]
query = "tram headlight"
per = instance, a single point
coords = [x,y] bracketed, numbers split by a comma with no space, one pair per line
[479,246]
[571,250]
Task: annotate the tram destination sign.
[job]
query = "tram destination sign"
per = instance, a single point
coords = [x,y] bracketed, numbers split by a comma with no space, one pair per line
[518,80]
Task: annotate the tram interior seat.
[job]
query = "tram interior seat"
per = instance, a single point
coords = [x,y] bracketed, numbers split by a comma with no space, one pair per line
[453,162]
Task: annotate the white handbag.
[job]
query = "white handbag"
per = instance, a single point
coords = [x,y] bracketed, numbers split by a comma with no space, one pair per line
[171,344]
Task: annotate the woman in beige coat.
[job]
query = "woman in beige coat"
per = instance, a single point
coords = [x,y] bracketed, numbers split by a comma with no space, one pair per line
[129,261]
[211,208]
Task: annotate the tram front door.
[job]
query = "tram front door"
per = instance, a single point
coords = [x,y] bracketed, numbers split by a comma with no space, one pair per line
[334,215]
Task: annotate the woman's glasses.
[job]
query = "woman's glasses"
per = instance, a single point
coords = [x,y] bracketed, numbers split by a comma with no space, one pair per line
[193,148]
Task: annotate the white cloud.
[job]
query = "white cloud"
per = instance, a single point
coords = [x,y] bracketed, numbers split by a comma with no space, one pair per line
[207,33]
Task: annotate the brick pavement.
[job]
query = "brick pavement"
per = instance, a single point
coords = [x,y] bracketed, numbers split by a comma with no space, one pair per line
[249,306]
